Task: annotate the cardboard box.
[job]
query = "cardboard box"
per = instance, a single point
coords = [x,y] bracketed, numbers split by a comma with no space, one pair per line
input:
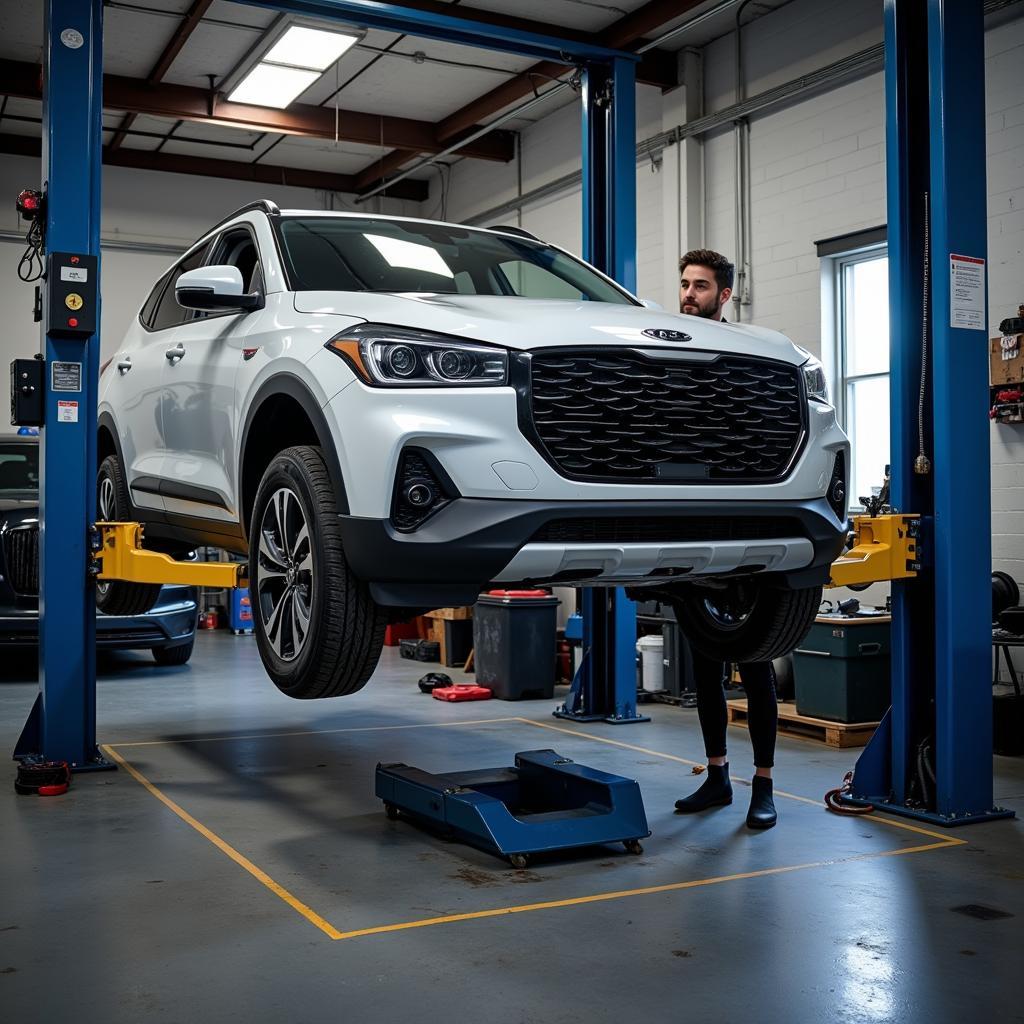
[1006,371]
[451,613]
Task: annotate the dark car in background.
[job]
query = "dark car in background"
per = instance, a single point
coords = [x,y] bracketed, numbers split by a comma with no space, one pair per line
[168,629]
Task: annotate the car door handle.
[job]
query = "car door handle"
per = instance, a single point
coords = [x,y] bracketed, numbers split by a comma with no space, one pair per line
[176,353]
[124,366]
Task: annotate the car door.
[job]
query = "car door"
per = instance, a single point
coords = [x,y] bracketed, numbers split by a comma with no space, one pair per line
[135,393]
[199,395]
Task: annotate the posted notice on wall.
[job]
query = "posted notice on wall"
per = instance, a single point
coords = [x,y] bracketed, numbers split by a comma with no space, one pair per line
[966,292]
[67,412]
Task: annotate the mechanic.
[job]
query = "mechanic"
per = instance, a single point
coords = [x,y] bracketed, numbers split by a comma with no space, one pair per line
[705,286]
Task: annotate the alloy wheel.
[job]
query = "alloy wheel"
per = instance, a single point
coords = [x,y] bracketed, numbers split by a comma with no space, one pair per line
[285,574]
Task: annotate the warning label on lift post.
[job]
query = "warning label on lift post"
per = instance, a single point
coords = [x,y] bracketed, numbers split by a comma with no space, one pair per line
[966,292]
[65,376]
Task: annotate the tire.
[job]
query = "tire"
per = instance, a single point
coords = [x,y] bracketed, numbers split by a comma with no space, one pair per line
[177,655]
[116,597]
[298,571]
[746,620]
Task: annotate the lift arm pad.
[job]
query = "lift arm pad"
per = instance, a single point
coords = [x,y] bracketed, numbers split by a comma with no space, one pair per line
[885,548]
[118,555]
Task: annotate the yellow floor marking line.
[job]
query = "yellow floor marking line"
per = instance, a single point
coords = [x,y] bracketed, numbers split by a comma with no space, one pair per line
[943,841]
[261,876]
[603,897]
[316,732]
[579,733]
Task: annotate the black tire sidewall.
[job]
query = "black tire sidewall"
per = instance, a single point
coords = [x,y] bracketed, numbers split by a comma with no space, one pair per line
[759,637]
[286,471]
[120,597]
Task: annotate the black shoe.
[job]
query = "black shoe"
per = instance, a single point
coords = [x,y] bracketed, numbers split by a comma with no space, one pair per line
[715,791]
[762,812]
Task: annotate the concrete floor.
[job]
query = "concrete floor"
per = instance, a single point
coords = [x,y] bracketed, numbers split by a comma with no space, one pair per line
[113,907]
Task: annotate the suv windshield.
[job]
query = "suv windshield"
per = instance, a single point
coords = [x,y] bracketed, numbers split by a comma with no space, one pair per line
[369,255]
[19,470]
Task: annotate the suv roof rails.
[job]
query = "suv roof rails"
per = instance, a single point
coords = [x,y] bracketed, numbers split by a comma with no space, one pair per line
[267,206]
[512,230]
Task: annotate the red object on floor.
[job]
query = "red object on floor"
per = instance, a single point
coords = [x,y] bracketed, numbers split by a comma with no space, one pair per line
[400,631]
[461,691]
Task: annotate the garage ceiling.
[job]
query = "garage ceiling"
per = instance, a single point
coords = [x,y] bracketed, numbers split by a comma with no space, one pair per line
[385,102]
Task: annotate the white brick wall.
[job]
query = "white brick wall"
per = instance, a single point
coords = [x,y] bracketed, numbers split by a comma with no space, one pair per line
[1004,107]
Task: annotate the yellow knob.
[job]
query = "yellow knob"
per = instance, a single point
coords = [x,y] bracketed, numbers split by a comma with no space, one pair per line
[74,301]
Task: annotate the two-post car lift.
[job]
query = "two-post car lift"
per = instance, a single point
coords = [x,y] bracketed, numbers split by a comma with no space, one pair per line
[936,153]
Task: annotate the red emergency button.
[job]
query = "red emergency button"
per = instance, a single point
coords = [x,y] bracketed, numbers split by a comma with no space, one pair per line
[72,321]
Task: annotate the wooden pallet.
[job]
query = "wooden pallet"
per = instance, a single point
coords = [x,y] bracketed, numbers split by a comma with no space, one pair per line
[834,734]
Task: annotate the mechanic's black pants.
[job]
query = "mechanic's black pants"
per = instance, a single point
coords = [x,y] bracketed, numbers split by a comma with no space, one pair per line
[758,680]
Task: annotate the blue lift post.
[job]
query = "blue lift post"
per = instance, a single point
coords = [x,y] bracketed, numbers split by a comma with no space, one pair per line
[62,724]
[605,686]
[941,699]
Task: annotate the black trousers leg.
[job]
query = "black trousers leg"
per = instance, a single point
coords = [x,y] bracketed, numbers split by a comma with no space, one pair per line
[708,677]
[758,680]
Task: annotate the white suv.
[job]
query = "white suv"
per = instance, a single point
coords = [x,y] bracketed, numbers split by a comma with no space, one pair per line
[388,414]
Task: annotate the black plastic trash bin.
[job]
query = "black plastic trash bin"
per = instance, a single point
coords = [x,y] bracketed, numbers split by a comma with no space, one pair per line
[514,643]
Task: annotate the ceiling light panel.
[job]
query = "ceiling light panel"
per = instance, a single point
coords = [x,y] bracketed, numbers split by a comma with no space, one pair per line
[269,85]
[310,47]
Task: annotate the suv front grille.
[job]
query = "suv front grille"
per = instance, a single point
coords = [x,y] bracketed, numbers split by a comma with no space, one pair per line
[21,555]
[663,529]
[620,416]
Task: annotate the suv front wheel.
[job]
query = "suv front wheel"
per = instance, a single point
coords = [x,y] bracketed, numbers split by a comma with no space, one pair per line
[318,629]
[745,620]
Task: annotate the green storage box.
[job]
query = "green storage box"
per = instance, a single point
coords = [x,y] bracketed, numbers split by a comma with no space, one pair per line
[841,670]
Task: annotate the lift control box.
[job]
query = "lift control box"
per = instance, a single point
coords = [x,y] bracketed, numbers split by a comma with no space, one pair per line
[28,391]
[72,294]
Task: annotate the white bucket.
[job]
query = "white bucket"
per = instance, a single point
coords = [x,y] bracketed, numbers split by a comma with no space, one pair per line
[652,651]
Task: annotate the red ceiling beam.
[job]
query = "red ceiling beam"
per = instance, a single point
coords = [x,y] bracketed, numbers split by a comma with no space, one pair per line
[186,27]
[187,103]
[234,170]
[622,35]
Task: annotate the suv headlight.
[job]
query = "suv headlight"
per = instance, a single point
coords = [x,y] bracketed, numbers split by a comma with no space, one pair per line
[405,357]
[814,381]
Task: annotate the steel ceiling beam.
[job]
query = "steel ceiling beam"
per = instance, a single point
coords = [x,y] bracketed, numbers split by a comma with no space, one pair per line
[188,103]
[464,28]
[234,170]
[185,28]
[625,32]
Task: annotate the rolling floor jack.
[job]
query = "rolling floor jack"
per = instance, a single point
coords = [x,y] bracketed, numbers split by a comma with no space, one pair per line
[545,803]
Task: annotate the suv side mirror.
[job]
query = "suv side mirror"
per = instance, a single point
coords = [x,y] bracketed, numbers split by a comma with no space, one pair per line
[217,287]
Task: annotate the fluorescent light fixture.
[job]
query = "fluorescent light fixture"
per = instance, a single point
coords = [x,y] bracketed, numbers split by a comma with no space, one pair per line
[302,47]
[269,85]
[411,255]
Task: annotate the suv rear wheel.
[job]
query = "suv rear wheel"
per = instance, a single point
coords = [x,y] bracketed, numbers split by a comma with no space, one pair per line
[745,620]
[318,630]
[117,597]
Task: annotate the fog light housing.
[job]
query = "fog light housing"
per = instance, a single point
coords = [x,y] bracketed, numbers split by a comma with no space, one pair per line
[837,489]
[421,488]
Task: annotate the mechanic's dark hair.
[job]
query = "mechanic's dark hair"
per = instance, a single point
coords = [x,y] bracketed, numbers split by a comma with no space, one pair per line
[723,269]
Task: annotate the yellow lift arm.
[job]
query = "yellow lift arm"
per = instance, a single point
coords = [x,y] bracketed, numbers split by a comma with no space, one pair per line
[119,555]
[885,548]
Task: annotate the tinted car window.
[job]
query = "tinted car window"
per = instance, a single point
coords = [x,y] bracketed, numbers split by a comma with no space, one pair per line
[19,469]
[146,314]
[357,254]
[168,313]
[238,249]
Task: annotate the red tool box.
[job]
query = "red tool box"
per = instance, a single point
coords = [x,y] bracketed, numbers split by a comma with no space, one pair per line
[461,691]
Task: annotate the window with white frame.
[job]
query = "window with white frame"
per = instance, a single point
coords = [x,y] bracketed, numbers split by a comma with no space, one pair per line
[862,362]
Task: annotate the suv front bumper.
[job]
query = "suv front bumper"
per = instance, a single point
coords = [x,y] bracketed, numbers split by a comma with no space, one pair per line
[473,541]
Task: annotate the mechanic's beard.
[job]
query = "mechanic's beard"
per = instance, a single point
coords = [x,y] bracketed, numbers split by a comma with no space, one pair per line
[711,311]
